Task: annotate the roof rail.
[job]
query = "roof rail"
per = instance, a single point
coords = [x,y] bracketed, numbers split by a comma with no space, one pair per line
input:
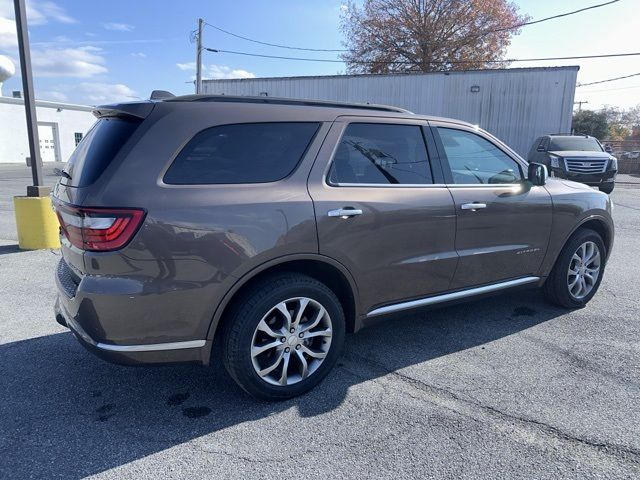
[571,134]
[285,101]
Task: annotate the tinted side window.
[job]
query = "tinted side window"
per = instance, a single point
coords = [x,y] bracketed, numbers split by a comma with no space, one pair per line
[242,153]
[381,154]
[474,159]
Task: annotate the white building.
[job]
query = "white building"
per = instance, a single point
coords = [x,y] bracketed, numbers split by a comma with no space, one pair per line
[61,126]
[515,104]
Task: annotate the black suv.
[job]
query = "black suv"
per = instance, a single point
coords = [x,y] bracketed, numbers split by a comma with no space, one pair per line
[576,157]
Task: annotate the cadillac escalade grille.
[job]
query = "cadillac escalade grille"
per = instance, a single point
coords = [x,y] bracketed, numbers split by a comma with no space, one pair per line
[584,165]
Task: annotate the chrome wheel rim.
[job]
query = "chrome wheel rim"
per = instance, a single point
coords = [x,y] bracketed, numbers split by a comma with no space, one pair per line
[584,270]
[291,341]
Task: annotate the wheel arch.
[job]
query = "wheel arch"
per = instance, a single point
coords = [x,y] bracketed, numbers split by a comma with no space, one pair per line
[595,222]
[325,269]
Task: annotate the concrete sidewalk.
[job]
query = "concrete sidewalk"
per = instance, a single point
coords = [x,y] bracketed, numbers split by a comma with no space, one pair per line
[628,178]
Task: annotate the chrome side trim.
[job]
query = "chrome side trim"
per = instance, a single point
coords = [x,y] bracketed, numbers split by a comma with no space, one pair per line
[451,296]
[152,347]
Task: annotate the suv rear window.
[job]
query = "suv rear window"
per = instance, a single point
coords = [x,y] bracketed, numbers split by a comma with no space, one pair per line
[242,153]
[582,144]
[97,149]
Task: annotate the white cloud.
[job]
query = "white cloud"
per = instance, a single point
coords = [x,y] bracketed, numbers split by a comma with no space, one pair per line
[8,39]
[52,95]
[79,62]
[222,72]
[38,13]
[139,55]
[186,66]
[94,92]
[119,27]
[217,71]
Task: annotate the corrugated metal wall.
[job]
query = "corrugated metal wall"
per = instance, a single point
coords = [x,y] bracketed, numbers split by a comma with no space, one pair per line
[517,105]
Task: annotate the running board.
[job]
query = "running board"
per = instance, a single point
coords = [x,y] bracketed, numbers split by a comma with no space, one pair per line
[447,297]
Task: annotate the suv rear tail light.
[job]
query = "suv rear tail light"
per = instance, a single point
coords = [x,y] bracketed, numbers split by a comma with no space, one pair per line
[99,229]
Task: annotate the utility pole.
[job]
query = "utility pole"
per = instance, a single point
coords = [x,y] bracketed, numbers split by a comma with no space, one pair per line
[580,104]
[38,189]
[199,57]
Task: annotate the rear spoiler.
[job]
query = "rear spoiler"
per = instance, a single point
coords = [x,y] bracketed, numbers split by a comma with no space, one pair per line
[134,110]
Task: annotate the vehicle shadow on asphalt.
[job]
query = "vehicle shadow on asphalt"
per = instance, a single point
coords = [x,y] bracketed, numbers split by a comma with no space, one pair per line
[66,413]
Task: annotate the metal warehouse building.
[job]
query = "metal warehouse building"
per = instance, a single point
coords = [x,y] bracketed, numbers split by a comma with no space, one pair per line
[517,104]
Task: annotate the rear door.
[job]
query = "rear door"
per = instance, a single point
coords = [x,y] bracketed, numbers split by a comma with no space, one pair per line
[503,222]
[382,209]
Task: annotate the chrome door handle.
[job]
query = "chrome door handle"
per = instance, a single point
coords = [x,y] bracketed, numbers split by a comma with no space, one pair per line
[473,206]
[344,212]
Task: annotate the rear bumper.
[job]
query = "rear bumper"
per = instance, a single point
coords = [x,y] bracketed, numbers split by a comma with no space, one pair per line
[75,309]
[592,179]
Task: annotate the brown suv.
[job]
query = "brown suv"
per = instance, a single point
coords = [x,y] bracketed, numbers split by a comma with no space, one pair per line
[276,226]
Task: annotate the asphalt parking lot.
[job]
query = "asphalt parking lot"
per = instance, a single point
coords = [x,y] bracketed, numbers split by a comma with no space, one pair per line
[507,387]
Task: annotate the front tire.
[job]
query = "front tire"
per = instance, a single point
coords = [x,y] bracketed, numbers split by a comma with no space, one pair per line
[283,337]
[578,271]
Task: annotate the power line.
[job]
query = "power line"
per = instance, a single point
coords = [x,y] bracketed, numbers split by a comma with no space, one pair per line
[443,62]
[609,80]
[585,92]
[487,32]
[274,44]
[553,17]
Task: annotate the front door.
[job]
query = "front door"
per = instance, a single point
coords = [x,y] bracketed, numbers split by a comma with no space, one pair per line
[504,222]
[379,211]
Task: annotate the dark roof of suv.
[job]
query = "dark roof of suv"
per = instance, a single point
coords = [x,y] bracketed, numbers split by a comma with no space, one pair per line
[331,109]
[283,101]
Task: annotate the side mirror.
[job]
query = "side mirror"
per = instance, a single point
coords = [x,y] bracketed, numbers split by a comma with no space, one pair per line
[608,149]
[537,173]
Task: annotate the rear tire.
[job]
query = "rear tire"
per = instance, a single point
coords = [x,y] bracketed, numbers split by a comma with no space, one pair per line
[578,271]
[283,337]
[607,188]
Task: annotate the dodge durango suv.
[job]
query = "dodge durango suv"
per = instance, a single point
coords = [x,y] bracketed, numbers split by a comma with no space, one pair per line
[259,231]
[576,157]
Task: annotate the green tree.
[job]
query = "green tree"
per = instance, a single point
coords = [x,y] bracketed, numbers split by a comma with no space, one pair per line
[385,36]
[591,123]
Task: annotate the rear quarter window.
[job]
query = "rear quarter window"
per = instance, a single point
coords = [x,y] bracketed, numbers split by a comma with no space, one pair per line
[242,153]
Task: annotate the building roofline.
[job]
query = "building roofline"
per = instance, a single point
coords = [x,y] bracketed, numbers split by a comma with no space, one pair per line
[405,74]
[47,104]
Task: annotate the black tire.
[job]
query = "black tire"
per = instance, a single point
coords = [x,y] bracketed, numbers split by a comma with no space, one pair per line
[556,287]
[607,188]
[243,320]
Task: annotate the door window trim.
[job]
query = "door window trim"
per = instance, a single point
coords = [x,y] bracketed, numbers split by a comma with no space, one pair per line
[444,161]
[429,144]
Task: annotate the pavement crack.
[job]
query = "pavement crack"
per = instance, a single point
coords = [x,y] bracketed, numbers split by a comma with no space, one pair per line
[475,410]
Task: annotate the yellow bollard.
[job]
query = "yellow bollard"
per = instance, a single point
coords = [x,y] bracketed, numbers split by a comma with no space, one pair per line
[37,223]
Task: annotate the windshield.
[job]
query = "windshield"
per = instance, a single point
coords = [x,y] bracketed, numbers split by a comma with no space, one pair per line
[582,144]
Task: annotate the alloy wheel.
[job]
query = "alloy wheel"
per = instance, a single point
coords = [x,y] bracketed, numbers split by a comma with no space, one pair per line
[291,341]
[584,270]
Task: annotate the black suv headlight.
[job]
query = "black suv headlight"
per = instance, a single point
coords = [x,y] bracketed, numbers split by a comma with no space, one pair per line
[555,161]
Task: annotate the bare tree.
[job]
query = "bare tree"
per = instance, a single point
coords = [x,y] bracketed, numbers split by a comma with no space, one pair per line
[386,36]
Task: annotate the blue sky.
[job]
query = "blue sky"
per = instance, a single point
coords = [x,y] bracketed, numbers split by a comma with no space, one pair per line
[96,52]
